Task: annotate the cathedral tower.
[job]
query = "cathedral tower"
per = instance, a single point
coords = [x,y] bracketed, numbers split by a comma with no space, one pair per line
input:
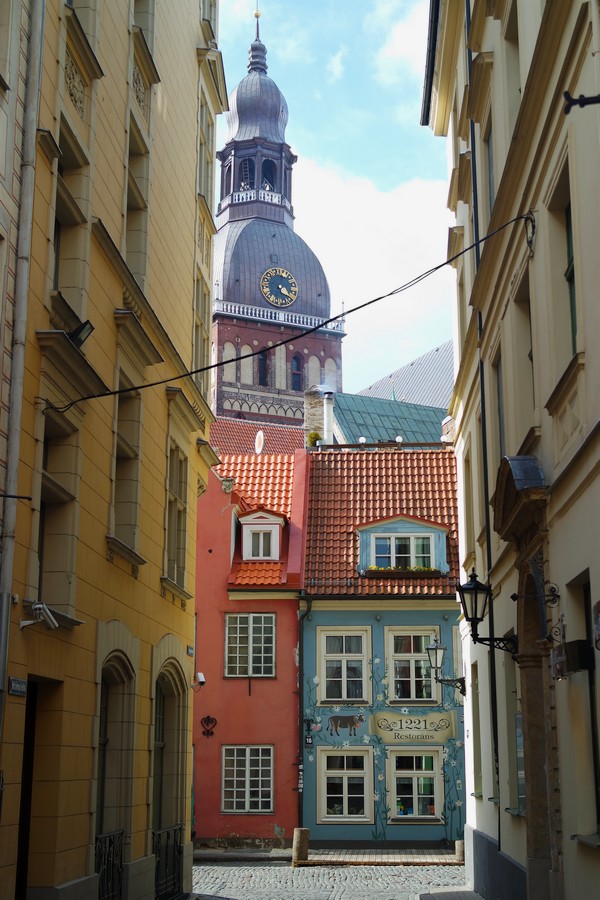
[269,285]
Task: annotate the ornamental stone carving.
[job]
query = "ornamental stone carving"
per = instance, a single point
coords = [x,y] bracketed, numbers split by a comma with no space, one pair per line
[140,90]
[75,84]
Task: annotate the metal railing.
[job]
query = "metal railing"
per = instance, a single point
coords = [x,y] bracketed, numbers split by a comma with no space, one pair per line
[167,848]
[242,310]
[109,864]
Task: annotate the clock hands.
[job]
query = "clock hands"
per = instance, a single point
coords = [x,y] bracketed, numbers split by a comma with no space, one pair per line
[284,291]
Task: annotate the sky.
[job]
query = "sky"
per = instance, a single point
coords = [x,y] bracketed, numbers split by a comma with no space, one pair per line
[370,185]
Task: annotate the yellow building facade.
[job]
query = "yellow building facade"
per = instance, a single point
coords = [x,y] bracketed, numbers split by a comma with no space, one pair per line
[113,305]
[525,189]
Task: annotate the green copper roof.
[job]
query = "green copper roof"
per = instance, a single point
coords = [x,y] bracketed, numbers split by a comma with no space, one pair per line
[356,416]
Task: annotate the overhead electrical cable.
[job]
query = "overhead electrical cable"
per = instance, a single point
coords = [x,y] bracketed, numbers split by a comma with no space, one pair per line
[528,218]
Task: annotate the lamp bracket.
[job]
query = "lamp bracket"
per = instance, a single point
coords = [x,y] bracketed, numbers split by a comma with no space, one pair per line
[509,644]
[458,683]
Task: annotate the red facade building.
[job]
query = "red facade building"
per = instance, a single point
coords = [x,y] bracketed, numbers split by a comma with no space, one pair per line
[249,565]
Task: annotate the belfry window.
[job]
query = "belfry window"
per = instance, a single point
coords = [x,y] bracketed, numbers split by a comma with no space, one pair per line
[269,175]
[296,373]
[263,368]
[247,175]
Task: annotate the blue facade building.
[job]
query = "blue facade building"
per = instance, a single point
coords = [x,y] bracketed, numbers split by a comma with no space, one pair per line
[383,755]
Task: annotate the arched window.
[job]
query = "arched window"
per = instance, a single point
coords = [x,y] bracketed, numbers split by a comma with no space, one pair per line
[227,180]
[297,373]
[247,175]
[263,368]
[268,179]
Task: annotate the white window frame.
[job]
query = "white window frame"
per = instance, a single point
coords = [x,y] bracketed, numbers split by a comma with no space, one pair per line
[261,526]
[323,657]
[412,536]
[254,656]
[323,754]
[415,774]
[252,766]
[429,634]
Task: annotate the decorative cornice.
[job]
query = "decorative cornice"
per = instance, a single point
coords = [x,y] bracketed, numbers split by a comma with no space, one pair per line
[144,56]
[82,46]
[48,145]
[71,362]
[167,584]
[135,299]
[188,411]
[133,331]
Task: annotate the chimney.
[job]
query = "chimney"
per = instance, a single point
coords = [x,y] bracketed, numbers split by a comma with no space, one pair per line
[313,414]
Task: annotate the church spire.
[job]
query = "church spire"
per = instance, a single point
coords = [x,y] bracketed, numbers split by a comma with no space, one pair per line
[257,54]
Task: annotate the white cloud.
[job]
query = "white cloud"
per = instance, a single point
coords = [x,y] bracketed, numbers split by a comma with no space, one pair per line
[405,48]
[335,65]
[370,243]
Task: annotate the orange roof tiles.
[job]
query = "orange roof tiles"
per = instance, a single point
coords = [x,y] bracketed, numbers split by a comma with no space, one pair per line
[350,488]
[257,573]
[239,435]
[261,479]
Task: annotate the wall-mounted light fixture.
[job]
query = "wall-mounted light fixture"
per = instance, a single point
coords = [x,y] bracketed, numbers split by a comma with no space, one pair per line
[198,681]
[79,335]
[435,652]
[551,594]
[474,597]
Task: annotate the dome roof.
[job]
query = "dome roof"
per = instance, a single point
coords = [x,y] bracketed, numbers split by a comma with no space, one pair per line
[257,108]
[245,249]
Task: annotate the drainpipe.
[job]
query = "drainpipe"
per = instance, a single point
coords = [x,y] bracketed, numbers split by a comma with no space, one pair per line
[484,446]
[23,267]
[301,618]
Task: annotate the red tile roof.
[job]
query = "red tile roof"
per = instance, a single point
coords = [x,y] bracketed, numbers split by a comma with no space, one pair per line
[239,435]
[264,479]
[250,572]
[350,488]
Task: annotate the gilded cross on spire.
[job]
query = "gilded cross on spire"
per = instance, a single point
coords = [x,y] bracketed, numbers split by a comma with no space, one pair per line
[257,17]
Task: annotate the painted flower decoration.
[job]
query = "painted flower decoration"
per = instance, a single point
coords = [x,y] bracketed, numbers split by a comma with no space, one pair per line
[405,710]
[366,738]
[380,777]
[316,679]
[379,697]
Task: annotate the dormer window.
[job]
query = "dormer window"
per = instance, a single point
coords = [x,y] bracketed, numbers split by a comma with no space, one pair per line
[260,544]
[402,551]
[261,535]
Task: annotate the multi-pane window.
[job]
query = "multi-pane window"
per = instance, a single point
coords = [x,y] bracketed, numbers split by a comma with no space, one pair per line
[202,316]
[408,665]
[127,465]
[206,161]
[401,551]
[570,278]
[344,659]
[414,784]
[250,645]
[176,516]
[260,542]
[345,784]
[247,782]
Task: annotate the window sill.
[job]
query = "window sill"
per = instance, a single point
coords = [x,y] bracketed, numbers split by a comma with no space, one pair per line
[515,811]
[119,548]
[333,703]
[587,840]
[416,820]
[399,573]
[166,584]
[477,794]
[494,800]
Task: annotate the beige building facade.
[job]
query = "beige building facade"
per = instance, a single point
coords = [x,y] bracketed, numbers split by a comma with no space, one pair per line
[525,188]
[112,306]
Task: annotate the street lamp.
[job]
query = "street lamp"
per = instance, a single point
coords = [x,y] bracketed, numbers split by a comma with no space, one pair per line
[435,652]
[474,597]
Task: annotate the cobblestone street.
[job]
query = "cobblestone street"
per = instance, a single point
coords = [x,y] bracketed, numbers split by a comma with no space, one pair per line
[279,881]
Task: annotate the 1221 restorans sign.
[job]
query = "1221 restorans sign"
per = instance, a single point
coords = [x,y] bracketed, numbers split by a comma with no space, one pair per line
[428,728]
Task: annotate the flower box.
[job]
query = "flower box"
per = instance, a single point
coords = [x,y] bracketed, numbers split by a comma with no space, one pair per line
[400,573]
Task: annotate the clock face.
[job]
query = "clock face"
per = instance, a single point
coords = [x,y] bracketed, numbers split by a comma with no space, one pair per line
[278,286]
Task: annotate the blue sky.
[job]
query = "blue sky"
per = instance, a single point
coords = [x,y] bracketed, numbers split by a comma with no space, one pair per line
[370,184]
